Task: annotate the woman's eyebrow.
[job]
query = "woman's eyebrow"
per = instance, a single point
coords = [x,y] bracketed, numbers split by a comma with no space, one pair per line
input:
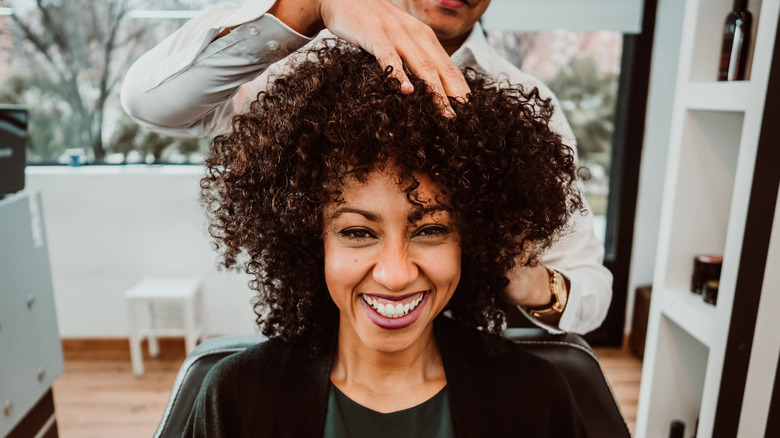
[367,214]
[428,209]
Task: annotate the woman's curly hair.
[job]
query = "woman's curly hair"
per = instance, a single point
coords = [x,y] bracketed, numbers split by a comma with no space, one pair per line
[509,180]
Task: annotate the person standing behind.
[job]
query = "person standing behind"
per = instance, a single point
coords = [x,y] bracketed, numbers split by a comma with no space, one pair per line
[198,78]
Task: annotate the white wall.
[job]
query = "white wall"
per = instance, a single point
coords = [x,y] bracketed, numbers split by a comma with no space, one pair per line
[534,15]
[107,227]
[663,78]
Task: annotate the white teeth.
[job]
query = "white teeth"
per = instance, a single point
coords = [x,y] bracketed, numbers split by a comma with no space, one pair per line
[390,311]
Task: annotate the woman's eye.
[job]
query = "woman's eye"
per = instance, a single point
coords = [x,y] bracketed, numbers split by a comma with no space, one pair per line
[356,234]
[433,231]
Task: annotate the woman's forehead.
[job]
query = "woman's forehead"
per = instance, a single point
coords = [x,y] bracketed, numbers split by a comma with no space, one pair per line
[420,188]
[387,190]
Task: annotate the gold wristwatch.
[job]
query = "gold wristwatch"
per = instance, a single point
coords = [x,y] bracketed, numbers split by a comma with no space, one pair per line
[559,296]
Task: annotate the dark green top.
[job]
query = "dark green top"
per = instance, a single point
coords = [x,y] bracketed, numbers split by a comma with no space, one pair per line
[279,389]
[347,418]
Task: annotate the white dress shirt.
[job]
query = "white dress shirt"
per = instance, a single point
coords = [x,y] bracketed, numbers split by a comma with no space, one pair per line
[191,85]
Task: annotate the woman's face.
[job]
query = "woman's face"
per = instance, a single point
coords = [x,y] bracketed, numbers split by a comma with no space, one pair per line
[389,275]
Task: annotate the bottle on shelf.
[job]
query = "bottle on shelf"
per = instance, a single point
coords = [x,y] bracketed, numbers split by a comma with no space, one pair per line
[736,41]
[677,429]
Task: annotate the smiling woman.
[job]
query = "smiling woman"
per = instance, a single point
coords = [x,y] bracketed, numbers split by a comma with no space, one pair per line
[363,214]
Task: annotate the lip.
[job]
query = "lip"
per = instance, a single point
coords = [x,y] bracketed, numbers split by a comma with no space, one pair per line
[395,323]
[395,297]
[453,4]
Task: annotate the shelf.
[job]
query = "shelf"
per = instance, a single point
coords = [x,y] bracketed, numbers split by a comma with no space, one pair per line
[678,377]
[699,223]
[689,311]
[708,184]
[735,96]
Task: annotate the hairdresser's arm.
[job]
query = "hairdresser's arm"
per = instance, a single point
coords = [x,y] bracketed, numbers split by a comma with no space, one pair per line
[578,256]
[193,82]
[383,29]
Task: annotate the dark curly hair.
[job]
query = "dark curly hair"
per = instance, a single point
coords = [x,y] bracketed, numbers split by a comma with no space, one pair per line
[509,180]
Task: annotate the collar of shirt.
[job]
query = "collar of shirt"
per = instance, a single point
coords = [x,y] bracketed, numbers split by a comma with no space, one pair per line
[475,52]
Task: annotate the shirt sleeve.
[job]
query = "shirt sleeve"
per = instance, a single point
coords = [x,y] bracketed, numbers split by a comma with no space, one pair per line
[191,84]
[579,257]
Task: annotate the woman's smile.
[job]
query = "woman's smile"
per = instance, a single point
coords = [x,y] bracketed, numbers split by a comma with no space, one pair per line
[394,313]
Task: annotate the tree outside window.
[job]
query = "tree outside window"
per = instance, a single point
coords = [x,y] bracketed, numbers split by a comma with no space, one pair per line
[65,59]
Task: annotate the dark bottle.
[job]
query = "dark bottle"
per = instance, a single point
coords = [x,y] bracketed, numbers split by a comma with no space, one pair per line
[736,39]
[677,429]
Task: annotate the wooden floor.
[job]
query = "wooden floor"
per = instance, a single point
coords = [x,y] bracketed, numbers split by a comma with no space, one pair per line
[98,396]
[624,372]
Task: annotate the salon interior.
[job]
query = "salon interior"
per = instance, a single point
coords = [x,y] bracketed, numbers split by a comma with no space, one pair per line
[109,281]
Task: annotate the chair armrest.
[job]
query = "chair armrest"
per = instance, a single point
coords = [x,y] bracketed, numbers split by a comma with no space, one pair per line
[577,361]
[191,374]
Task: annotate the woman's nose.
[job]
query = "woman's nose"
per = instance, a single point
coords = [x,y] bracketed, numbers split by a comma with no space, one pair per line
[394,268]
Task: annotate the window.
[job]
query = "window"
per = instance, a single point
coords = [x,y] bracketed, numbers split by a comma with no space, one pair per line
[64,60]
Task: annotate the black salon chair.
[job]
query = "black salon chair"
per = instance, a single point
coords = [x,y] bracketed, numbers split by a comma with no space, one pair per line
[569,352]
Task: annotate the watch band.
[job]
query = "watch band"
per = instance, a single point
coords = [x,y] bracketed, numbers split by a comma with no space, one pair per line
[559,296]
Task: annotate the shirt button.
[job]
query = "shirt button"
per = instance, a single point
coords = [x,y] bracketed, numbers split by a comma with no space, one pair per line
[273,45]
[253,30]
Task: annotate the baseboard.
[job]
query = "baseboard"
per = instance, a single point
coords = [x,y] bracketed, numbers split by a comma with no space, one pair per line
[76,347]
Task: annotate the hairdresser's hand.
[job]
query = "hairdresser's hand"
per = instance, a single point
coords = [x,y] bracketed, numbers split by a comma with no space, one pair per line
[528,286]
[386,31]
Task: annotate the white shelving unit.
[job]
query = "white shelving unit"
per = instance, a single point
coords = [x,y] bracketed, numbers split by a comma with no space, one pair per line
[712,153]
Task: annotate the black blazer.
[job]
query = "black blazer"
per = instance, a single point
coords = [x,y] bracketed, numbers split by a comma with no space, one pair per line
[276,389]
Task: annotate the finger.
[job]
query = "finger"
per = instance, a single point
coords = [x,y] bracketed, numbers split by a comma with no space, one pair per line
[387,56]
[454,82]
[424,68]
[450,75]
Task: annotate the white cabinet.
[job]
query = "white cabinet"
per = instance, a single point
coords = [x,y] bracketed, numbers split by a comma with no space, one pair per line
[709,178]
[30,350]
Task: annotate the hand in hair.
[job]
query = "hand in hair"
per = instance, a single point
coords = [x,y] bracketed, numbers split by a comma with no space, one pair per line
[386,31]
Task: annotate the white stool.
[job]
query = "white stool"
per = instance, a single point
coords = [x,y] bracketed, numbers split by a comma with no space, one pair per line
[184,291]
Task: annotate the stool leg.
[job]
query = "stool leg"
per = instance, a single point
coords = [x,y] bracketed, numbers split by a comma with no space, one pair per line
[199,317]
[190,337]
[154,347]
[136,356]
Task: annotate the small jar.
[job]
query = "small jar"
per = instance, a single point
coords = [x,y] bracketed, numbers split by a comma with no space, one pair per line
[710,291]
[705,268]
